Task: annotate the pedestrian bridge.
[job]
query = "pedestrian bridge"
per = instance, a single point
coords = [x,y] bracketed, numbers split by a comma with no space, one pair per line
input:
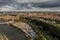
[7,22]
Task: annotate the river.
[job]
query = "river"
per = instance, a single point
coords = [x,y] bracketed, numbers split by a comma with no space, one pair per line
[10,33]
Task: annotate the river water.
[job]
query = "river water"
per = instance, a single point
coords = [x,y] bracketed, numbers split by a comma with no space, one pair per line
[10,33]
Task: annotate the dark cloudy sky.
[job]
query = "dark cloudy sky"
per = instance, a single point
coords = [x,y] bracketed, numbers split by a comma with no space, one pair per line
[41,5]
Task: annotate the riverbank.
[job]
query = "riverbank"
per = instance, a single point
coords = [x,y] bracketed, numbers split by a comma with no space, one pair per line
[25,28]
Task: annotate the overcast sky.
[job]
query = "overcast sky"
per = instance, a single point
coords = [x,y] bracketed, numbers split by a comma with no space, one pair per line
[19,1]
[35,4]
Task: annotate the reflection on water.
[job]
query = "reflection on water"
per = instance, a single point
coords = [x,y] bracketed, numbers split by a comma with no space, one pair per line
[31,32]
[2,20]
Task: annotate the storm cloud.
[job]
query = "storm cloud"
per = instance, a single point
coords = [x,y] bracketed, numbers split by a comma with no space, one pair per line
[23,4]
